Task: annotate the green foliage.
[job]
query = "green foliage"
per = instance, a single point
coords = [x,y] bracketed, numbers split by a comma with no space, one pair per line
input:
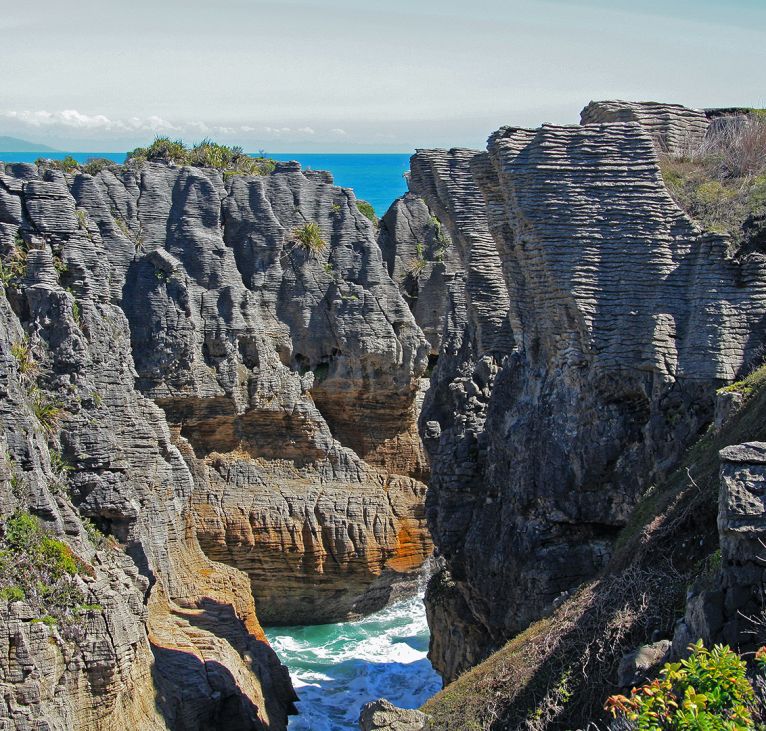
[335,209]
[417,264]
[96,537]
[95,165]
[67,164]
[231,160]
[709,691]
[12,594]
[367,211]
[309,236]
[40,569]
[47,412]
[21,351]
[59,465]
[13,267]
[162,149]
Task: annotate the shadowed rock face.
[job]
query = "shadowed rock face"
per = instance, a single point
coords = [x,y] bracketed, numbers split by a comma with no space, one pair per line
[239,413]
[727,607]
[623,319]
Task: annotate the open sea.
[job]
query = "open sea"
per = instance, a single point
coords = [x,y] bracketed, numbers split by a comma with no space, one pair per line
[378,179]
[337,668]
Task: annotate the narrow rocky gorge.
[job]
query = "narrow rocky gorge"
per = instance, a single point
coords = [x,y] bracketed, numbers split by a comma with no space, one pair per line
[231,400]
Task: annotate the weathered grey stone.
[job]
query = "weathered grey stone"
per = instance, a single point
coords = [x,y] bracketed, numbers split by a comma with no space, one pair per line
[225,394]
[574,370]
[675,129]
[643,663]
[732,611]
[381,715]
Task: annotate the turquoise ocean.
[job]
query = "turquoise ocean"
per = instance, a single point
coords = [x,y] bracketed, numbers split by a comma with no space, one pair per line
[378,179]
[337,668]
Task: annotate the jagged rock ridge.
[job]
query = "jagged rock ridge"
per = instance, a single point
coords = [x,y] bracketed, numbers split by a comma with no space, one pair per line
[238,411]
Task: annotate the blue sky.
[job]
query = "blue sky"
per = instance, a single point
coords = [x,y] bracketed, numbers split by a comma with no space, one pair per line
[359,75]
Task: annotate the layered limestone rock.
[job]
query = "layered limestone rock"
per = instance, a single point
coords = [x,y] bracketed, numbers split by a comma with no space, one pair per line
[728,607]
[675,129]
[622,319]
[238,412]
[422,260]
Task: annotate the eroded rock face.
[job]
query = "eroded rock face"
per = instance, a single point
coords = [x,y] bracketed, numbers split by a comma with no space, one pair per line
[623,318]
[730,608]
[675,129]
[225,393]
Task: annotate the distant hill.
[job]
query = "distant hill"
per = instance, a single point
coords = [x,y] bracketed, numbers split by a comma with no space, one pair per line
[14,144]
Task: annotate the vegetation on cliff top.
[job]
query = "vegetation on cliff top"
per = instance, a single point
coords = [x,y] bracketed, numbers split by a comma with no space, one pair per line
[721,183]
[209,154]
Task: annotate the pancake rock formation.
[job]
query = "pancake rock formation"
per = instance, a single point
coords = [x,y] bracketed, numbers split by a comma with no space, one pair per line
[588,326]
[212,409]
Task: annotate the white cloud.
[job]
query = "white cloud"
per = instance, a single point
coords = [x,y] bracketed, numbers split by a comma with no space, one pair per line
[73,119]
[305,130]
[338,131]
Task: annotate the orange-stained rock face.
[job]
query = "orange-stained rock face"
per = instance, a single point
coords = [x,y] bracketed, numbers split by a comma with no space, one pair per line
[191,347]
[316,549]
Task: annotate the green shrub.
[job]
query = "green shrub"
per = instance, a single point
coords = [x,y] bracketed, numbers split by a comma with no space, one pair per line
[417,264]
[163,149]
[95,165]
[309,236]
[367,211]
[68,164]
[13,268]
[709,691]
[40,569]
[12,594]
[232,160]
[47,412]
[21,351]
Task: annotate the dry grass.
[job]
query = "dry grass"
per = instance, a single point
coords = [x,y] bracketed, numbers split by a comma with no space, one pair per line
[721,183]
[558,673]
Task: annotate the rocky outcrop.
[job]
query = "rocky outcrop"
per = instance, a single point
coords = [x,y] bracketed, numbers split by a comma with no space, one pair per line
[675,129]
[422,260]
[234,409]
[384,716]
[575,374]
[727,604]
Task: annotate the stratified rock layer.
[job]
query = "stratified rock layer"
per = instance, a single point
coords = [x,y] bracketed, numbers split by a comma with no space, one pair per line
[224,393]
[675,129]
[622,318]
[730,608]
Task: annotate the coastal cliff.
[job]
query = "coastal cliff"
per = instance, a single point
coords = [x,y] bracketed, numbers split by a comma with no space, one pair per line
[209,402]
[587,329]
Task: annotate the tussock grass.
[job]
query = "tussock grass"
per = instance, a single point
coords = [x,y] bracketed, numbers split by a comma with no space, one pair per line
[721,183]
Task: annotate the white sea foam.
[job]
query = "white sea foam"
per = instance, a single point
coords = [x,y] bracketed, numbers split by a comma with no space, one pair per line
[338,668]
